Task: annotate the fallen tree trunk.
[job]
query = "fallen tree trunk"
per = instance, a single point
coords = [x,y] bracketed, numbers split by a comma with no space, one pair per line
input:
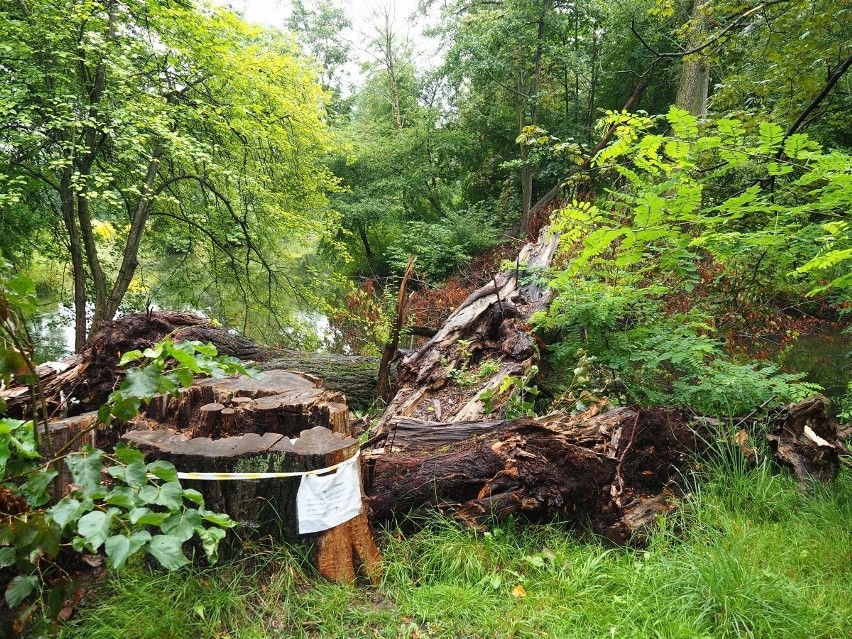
[84,381]
[603,468]
[482,342]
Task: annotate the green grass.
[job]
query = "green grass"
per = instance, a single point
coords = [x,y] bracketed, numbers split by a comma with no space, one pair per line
[748,555]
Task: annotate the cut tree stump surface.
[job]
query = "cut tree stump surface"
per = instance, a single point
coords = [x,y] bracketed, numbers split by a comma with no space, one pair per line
[281,402]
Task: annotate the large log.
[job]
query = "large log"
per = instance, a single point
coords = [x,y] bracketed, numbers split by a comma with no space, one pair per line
[84,381]
[598,468]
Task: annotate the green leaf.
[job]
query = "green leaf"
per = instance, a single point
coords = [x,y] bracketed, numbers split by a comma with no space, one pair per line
[163,470]
[94,527]
[168,551]
[130,356]
[126,408]
[182,525]
[66,511]
[35,489]
[146,516]
[141,382]
[771,135]
[119,547]
[220,519]
[154,353]
[135,474]
[86,470]
[185,376]
[210,538]
[194,496]
[169,495]
[128,455]
[684,124]
[7,556]
[19,589]
[123,497]
[184,354]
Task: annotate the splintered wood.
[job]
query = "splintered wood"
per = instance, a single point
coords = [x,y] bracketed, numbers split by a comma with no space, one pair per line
[489,326]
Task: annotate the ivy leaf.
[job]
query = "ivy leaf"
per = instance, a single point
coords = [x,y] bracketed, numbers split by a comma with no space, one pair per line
[7,556]
[141,382]
[184,354]
[220,519]
[182,525]
[86,470]
[35,489]
[94,527]
[66,511]
[163,470]
[168,551]
[146,516]
[128,455]
[130,356]
[135,474]
[210,538]
[169,495]
[185,376]
[19,589]
[194,496]
[119,547]
[123,497]
[126,408]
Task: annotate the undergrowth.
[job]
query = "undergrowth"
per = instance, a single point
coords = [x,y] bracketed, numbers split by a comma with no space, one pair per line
[747,555]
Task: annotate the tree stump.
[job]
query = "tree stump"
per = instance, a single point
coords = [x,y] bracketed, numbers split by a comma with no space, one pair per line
[279,424]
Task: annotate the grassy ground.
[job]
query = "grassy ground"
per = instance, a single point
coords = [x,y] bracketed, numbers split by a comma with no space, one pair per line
[754,558]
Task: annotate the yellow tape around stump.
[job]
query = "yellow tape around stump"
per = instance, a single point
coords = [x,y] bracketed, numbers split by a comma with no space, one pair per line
[245,476]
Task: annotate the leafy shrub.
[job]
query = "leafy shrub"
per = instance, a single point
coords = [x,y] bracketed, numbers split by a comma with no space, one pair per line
[444,246]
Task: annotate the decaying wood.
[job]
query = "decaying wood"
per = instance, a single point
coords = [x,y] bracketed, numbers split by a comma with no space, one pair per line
[283,422]
[280,402]
[805,438]
[490,325]
[67,435]
[543,469]
[267,507]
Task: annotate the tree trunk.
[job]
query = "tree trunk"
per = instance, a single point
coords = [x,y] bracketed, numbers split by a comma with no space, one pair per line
[598,467]
[695,76]
[66,197]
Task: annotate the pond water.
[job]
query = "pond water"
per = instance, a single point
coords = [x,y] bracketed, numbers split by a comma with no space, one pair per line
[825,355]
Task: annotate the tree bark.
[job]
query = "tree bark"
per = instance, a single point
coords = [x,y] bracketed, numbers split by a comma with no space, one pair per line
[695,76]
[443,377]
[599,467]
[267,507]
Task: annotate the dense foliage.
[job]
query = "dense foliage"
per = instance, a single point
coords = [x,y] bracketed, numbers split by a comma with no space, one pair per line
[168,134]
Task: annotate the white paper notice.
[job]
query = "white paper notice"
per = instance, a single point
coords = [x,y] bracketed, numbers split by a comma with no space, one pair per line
[328,501]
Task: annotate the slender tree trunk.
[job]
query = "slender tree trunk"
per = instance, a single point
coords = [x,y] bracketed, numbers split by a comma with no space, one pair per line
[590,115]
[695,76]
[526,172]
[66,196]
[130,260]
